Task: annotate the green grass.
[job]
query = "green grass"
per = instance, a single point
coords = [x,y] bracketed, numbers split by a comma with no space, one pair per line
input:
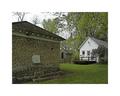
[82,74]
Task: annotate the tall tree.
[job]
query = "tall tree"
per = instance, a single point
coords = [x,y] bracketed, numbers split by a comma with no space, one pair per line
[83,24]
[89,24]
[80,25]
[35,20]
[50,25]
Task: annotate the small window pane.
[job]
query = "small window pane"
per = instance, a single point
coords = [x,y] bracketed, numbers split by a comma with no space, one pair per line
[88,52]
[83,52]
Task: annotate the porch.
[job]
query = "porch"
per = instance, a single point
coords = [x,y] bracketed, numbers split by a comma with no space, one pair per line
[88,59]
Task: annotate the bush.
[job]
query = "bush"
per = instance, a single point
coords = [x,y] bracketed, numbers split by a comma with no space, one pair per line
[75,56]
[83,62]
[102,52]
[103,60]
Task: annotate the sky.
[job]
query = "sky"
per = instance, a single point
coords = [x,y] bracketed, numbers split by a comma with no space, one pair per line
[29,17]
[41,15]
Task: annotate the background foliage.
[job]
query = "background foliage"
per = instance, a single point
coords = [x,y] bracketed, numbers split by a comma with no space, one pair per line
[79,25]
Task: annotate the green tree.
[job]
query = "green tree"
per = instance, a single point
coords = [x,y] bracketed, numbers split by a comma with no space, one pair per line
[83,24]
[79,25]
[50,25]
[56,25]
[102,52]
[88,24]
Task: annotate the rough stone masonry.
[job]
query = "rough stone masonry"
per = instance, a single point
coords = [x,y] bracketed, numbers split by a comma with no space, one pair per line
[35,51]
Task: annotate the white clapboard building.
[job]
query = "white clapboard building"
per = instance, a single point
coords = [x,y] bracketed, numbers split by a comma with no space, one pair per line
[87,46]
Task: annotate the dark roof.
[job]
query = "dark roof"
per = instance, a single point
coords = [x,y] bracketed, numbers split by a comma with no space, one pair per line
[100,42]
[27,26]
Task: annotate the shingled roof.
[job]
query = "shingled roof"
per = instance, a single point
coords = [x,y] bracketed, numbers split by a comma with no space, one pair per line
[25,26]
[100,42]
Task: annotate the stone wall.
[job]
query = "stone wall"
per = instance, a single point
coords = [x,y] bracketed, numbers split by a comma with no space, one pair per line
[24,48]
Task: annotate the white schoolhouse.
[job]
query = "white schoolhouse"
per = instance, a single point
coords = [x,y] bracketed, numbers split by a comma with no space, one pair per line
[87,46]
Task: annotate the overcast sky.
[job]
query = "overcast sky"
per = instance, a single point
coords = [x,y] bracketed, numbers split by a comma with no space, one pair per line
[41,15]
[29,17]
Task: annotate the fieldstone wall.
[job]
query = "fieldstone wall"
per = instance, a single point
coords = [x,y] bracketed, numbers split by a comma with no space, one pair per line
[24,48]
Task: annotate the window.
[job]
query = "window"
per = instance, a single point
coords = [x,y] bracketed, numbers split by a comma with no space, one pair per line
[88,53]
[83,52]
[62,55]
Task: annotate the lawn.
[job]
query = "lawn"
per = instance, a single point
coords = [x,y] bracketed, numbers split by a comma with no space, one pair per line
[81,74]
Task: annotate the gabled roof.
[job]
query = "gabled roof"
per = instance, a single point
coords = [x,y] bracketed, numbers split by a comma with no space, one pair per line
[27,26]
[99,42]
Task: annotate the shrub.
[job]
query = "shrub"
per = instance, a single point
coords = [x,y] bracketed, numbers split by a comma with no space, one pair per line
[75,56]
[83,62]
[102,52]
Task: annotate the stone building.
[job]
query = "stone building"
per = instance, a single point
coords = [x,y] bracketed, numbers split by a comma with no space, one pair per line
[35,52]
